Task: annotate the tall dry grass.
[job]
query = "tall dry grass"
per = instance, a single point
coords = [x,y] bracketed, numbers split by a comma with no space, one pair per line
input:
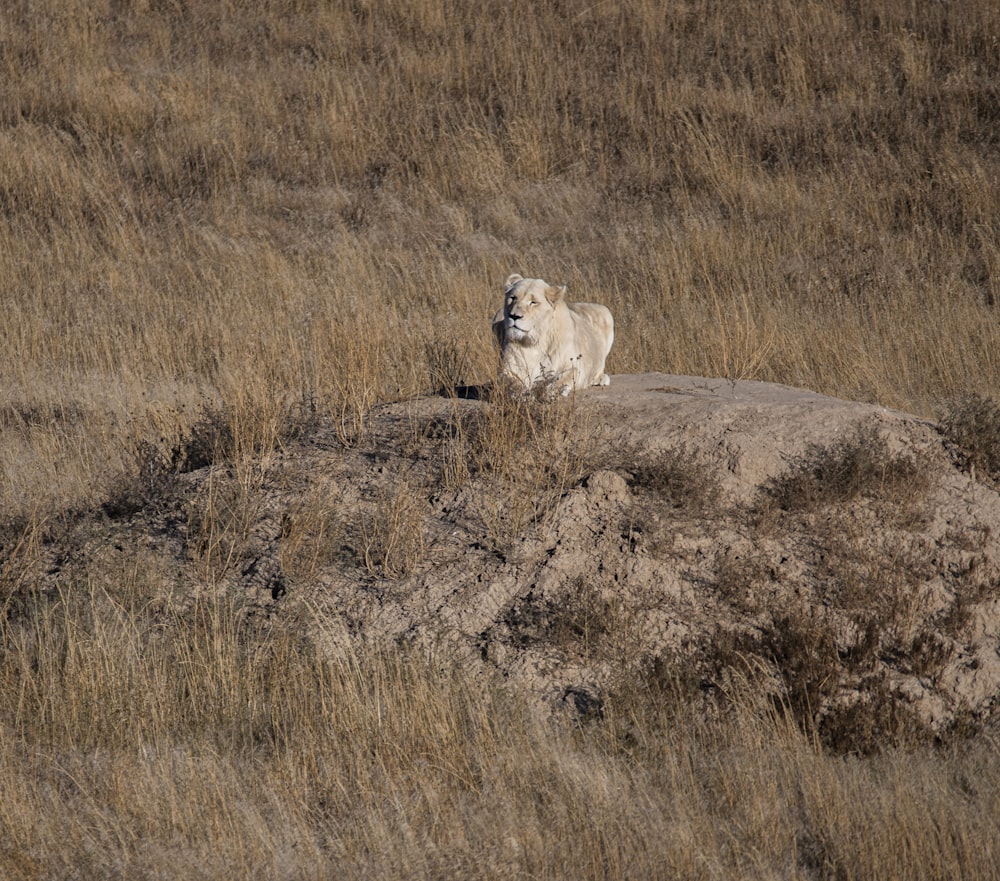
[139,743]
[259,210]
[205,204]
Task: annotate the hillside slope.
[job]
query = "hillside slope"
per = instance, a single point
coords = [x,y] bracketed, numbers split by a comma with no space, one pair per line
[666,529]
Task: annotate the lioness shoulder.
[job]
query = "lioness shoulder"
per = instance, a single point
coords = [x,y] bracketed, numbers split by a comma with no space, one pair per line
[544,339]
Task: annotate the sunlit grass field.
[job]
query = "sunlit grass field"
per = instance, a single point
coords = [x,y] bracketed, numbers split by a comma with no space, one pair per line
[266,209]
[212,749]
[252,205]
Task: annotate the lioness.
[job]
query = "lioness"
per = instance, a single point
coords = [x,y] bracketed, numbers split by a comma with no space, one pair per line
[543,339]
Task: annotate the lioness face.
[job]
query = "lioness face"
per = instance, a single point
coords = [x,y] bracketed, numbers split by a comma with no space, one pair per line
[527,309]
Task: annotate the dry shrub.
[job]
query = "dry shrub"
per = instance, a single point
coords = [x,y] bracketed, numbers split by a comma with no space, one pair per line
[744,579]
[680,476]
[520,453]
[833,656]
[583,622]
[152,467]
[851,508]
[855,466]
[971,585]
[829,681]
[673,485]
[973,425]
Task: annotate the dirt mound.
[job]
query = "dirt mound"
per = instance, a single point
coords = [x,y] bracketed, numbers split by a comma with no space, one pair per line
[663,529]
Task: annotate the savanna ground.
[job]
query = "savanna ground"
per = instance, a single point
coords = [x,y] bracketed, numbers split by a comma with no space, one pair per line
[225,226]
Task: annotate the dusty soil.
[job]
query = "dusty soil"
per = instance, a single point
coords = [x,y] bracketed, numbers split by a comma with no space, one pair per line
[686,529]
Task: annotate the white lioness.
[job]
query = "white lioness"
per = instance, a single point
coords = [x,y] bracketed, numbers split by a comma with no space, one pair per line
[545,340]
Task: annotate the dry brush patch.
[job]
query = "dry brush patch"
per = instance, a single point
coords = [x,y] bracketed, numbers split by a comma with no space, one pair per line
[972,425]
[254,753]
[874,600]
[514,457]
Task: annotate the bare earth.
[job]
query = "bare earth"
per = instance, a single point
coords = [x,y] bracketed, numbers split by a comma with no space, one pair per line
[892,584]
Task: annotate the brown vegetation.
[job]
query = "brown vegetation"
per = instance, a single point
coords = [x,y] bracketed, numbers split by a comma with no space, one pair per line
[231,230]
[280,205]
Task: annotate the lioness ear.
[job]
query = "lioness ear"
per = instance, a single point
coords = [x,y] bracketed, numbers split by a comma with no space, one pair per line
[555,292]
[512,280]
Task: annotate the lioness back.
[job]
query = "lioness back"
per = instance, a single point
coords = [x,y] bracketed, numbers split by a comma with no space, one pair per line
[545,340]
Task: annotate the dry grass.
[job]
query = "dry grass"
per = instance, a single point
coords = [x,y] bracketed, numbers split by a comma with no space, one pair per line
[217,220]
[859,464]
[529,450]
[855,509]
[202,208]
[144,744]
[972,425]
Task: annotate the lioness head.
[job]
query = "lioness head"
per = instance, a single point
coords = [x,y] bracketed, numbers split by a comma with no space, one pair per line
[527,308]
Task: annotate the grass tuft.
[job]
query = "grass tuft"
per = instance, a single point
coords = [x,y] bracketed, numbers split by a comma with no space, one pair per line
[859,465]
[973,425]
